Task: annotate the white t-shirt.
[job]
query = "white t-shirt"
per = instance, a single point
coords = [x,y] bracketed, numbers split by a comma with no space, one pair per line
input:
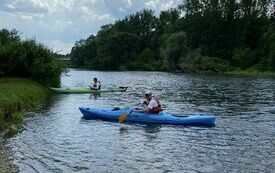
[153,103]
[96,85]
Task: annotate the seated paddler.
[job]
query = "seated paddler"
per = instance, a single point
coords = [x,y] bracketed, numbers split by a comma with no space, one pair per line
[150,105]
[95,85]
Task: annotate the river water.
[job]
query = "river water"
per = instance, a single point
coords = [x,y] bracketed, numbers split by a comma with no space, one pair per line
[57,139]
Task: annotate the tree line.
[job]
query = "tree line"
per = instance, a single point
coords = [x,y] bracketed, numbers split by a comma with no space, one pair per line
[197,36]
[27,58]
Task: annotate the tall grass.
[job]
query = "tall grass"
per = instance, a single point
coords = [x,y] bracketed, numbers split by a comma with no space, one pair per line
[18,95]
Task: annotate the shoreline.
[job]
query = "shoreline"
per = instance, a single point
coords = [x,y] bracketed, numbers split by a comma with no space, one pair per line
[6,165]
[17,95]
[251,73]
[247,72]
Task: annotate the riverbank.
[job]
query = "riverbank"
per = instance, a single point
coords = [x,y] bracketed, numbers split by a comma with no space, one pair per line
[6,166]
[17,95]
[248,72]
[252,73]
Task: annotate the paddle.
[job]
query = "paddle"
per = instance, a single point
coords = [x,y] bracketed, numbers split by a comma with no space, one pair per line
[124,116]
[124,88]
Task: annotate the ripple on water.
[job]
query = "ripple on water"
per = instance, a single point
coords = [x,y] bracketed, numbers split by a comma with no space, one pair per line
[57,139]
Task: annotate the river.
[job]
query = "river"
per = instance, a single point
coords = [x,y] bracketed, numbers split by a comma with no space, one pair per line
[57,139]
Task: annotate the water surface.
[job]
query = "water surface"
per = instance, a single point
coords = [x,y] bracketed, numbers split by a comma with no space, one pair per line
[57,139]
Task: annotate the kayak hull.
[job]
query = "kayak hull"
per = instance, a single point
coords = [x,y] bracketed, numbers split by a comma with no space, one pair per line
[86,90]
[146,118]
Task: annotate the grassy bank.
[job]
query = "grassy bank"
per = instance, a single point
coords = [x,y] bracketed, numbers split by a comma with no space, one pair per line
[252,72]
[16,96]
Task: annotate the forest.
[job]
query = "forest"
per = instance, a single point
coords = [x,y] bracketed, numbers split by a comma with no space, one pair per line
[197,36]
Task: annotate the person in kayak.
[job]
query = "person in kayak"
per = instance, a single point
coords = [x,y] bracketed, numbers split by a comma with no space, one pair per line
[96,85]
[150,105]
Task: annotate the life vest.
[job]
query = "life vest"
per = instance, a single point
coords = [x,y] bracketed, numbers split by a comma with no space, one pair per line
[155,110]
[99,84]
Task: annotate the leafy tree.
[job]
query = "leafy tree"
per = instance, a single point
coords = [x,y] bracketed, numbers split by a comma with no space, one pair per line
[168,21]
[236,32]
[174,47]
[195,62]
[84,51]
[115,50]
[145,61]
[268,49]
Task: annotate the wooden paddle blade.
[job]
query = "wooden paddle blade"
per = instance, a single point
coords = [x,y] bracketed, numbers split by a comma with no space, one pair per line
[123,117]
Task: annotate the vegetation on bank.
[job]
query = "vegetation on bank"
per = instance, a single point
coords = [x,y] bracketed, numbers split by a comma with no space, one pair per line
[29,59]
[16,96]
[24,59]
[197,36]
[252,72]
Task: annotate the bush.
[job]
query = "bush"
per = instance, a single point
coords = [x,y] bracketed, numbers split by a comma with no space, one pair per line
[195,62]
[28,59]
[145,61]
[243,58]
[47,71]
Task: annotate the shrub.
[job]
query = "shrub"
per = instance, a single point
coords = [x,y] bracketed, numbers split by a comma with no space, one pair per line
[243,58]
[145,61]
[28,59]
[195,62]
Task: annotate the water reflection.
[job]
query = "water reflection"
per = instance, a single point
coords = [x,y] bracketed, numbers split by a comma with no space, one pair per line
[57,139]
[151,128]
[148,129]
[151,132]
[95,95]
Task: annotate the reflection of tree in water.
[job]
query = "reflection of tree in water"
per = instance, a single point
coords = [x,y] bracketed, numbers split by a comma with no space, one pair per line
[94,95]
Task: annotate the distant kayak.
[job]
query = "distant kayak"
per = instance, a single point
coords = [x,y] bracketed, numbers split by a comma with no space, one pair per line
[87,90]
[146,118]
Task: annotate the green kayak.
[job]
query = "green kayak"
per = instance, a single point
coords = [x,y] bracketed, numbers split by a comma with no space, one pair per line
[87,90]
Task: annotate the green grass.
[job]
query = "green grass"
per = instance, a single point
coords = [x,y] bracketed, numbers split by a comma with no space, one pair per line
[16,96]
[252,72]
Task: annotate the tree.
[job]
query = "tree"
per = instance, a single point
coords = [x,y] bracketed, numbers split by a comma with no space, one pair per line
[268,56]
[145,61]
[115,50]
[223,30]
[168,21]
[174,47]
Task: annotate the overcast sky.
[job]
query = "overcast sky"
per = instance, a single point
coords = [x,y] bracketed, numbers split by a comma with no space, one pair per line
[59,23]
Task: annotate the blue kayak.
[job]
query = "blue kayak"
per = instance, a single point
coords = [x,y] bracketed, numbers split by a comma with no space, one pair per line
[147,118]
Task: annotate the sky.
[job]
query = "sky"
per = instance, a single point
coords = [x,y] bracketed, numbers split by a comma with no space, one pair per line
[58,24]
